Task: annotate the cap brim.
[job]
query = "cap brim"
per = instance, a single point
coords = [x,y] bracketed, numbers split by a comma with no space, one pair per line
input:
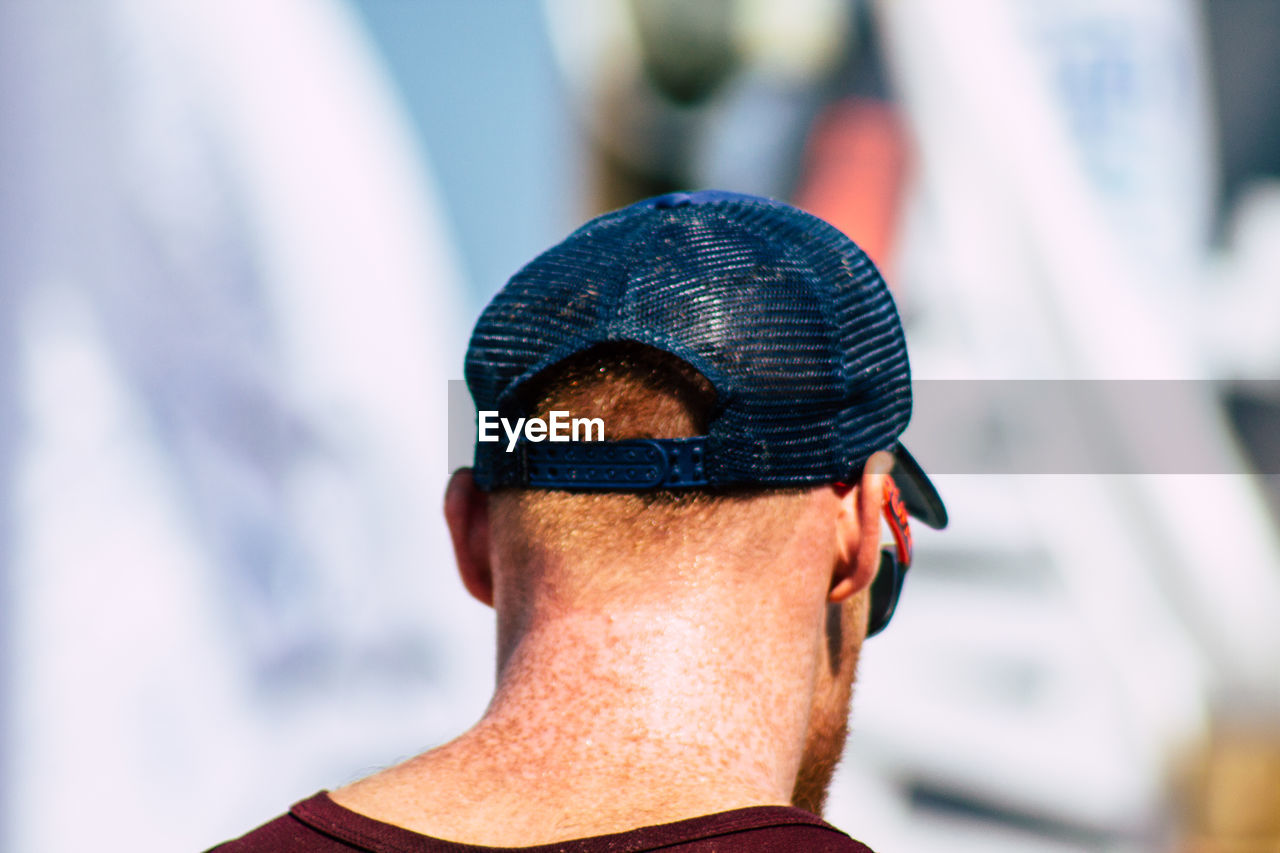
[918,493]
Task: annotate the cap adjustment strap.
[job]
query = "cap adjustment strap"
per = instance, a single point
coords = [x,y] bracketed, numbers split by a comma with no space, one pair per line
[632,464]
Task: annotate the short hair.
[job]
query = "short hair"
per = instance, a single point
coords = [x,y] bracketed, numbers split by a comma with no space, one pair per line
[639,392]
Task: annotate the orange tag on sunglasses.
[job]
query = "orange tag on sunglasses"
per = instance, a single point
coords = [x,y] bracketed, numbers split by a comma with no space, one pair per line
[895,512]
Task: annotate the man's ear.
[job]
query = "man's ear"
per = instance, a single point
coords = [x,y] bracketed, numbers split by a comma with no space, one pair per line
[858,530]
[466,511]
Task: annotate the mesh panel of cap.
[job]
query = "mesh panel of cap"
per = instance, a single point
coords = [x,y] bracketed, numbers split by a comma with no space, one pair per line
[786,317]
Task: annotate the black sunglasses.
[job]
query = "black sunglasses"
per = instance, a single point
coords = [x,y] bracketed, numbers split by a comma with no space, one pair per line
[894,562]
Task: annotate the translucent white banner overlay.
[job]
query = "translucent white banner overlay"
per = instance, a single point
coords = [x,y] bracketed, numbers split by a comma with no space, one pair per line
[1058,426]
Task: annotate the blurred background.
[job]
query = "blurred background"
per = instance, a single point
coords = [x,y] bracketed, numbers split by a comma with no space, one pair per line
[241,248]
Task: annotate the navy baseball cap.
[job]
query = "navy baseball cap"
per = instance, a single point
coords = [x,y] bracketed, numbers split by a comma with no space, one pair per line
[784,315]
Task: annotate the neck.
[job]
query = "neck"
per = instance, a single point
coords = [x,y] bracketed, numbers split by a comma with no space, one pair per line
[655,693]
[621,706]
[604,721]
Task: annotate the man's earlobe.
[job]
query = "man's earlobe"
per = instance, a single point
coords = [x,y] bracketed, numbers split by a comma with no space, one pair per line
[466,511]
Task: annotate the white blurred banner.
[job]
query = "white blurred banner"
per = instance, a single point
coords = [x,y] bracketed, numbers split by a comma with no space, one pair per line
[229,315]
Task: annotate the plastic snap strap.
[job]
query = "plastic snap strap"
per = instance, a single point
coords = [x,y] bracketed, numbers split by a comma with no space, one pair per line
[620,466]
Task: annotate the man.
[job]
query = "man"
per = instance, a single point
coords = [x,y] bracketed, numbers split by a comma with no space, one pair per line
[680,606]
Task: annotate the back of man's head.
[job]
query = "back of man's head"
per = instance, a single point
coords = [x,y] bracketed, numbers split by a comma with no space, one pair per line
[601,548]
[739,353]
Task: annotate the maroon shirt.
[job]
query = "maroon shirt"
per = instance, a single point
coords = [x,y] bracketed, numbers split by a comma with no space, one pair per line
[319,825]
